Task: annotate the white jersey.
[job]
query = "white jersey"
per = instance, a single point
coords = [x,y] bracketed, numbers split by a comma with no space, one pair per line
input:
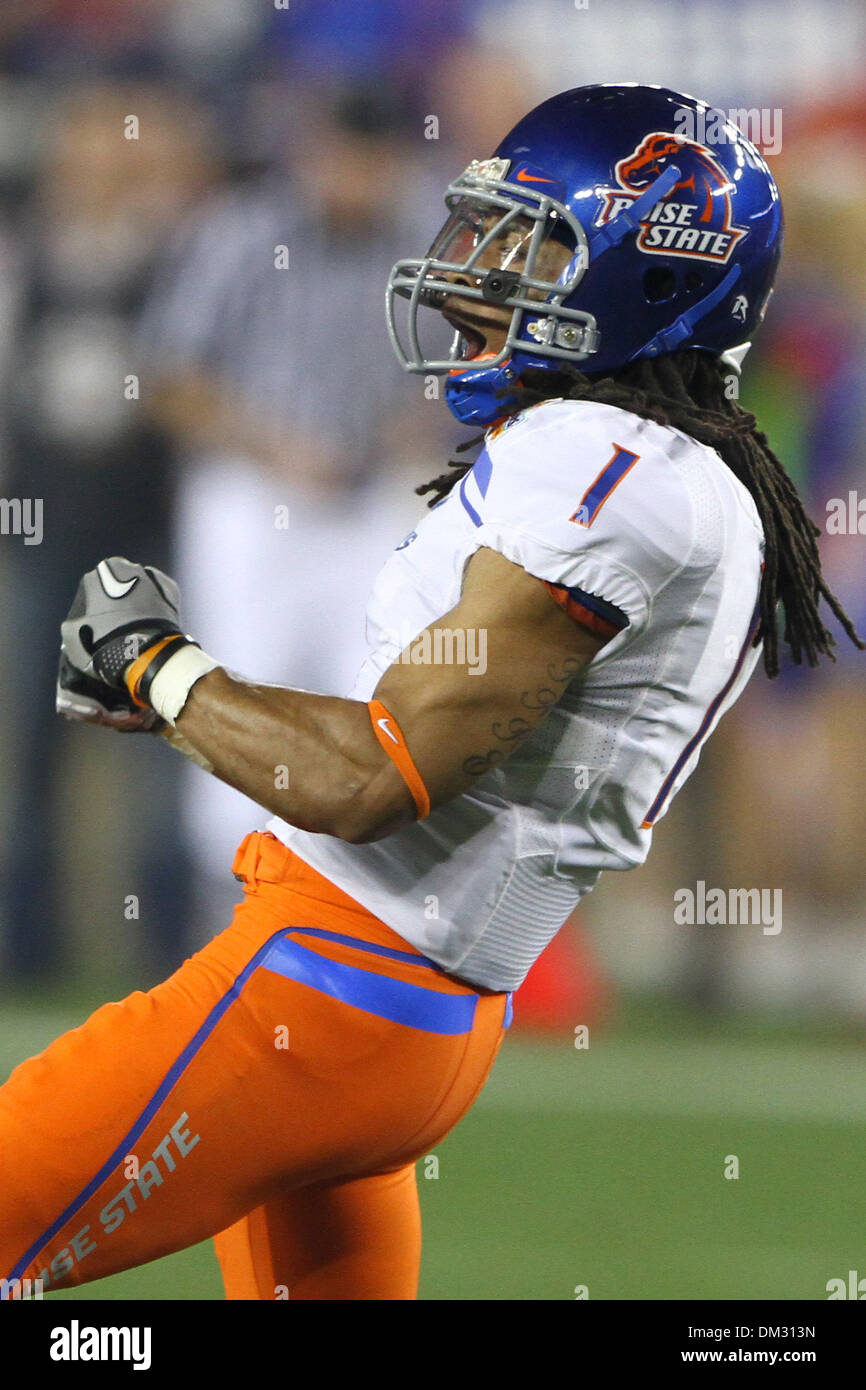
[645,527]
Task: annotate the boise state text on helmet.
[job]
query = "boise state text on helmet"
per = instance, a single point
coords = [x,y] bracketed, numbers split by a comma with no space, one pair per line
[694,219]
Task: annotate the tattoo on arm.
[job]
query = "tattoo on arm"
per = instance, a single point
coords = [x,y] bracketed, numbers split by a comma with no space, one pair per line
[480,763]
[517,728]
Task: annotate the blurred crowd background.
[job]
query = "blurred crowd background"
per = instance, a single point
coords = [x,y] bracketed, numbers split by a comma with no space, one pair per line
[200,201]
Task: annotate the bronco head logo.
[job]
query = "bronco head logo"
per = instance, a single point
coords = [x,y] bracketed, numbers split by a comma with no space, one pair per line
[694,219]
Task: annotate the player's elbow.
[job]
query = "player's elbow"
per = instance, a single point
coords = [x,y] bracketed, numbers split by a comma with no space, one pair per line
[375,806]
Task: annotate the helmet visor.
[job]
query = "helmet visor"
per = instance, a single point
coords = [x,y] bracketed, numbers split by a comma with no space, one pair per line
[479,237]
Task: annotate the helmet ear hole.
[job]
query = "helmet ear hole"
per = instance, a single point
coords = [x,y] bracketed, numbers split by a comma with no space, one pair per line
[693,281]
[659,284]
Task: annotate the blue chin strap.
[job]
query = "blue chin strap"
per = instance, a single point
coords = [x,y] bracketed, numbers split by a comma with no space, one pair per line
[481,395]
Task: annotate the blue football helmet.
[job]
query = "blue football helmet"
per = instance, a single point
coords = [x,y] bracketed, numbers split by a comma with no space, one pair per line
[616,222]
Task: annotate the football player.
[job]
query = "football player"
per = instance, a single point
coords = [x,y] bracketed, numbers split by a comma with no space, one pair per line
[550,649]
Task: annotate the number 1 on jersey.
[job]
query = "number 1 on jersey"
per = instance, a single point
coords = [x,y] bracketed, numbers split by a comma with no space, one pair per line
[598,492]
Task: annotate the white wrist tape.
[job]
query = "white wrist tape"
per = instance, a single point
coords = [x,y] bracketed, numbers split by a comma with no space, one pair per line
[171,686]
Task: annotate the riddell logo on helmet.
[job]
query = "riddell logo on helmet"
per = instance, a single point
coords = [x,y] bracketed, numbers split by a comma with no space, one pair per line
[695,219]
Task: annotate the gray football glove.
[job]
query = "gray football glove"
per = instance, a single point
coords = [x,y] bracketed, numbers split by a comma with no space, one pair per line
[119,610]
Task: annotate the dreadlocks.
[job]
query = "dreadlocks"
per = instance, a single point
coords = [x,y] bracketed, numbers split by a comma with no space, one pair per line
[686,390]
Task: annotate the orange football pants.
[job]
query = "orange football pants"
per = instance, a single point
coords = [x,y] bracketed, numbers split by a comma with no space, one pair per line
[275,1092]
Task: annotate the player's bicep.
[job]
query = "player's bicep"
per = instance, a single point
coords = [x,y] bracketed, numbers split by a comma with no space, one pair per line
[484,676]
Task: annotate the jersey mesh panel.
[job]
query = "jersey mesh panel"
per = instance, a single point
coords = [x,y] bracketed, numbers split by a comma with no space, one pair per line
[530,913]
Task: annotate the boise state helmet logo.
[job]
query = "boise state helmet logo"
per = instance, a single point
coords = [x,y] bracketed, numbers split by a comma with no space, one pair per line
[695,218]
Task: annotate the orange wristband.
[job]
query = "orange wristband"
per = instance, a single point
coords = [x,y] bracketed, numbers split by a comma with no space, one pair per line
[390,736]
[139,666]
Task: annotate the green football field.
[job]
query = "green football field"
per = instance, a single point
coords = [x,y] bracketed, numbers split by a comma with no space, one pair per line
[604,1168]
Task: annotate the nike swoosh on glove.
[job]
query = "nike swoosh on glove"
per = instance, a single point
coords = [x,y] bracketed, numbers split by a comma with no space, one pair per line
[119,610]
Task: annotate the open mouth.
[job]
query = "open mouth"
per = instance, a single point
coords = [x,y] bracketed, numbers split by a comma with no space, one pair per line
[474,340]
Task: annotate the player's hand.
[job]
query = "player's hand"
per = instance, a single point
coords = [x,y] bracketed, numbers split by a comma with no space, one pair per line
[89,701]
[120,610]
